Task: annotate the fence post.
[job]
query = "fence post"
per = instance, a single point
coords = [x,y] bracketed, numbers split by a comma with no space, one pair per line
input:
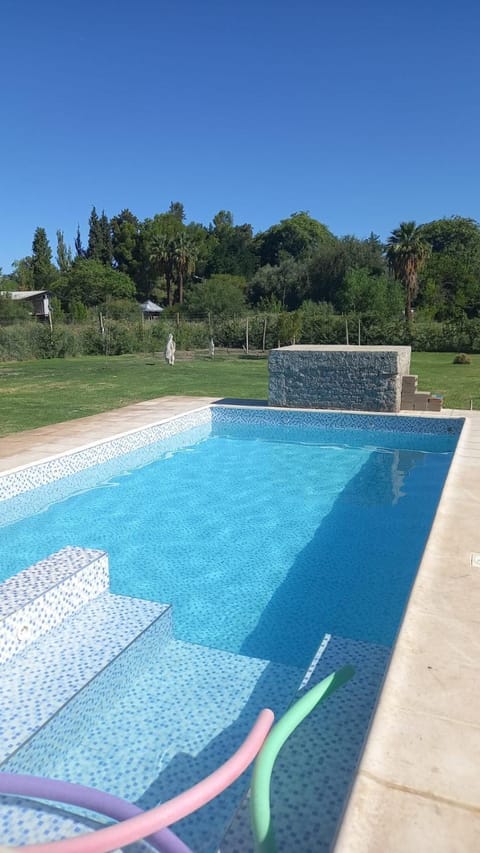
[246,336]
[264,334]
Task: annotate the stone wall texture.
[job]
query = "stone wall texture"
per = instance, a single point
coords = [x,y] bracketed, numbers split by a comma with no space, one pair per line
[366,379]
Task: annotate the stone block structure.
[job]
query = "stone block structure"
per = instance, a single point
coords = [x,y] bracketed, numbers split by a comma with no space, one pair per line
[360,378]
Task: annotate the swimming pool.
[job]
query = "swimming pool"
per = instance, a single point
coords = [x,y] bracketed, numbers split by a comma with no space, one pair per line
[238,578]
[251,531]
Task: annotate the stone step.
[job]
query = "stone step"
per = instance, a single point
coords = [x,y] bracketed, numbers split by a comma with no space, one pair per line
[414,400]
[409,382]
[435,403]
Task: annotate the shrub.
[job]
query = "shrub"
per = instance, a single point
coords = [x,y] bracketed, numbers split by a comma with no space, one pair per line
[15,343]
[461,358]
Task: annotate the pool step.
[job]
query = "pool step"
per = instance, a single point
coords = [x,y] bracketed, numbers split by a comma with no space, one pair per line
[40,597]
[156,721]
[40,678]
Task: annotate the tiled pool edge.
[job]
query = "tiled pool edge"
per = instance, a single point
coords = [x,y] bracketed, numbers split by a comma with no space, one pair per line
[26,477]
[417,784]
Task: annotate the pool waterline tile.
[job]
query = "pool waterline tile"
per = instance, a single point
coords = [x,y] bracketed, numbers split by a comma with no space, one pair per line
[30,477]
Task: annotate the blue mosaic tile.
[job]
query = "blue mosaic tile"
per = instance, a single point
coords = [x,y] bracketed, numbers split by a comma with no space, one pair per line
[38,579]
[39,680]
[334,420]
[35,500]
[39,598]
[164,713]
[158,720]
[24,822]
[313,773]
[31,476]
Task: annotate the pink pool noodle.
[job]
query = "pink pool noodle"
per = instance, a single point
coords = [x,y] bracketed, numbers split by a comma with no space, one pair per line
[146,823]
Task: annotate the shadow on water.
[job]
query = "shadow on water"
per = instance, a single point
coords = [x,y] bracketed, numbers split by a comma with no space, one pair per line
[353,578]
[202,830]
[358,570]
[240,401]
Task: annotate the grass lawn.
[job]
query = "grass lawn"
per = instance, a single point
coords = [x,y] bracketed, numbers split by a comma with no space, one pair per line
[459,383]
[38,393]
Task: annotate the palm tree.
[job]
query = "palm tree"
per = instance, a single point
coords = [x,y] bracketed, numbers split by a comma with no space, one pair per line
[405,252]
[161,257]
[184,256]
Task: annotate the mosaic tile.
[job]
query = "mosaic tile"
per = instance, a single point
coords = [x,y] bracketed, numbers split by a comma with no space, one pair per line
[29,478]
[39,598]
[39,680]
[23,822]
[164,713]
[32,476]
[334,420]
[314,771]
[156,721]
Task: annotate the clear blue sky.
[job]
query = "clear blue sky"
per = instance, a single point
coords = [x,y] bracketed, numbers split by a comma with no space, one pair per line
[363,113]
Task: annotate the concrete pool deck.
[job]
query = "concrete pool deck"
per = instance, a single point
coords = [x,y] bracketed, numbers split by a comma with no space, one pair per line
[418,785]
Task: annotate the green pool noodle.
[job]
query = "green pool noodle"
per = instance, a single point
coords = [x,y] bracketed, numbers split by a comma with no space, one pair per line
[260,788]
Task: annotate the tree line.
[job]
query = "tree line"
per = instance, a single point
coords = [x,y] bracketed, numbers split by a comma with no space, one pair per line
[430,270]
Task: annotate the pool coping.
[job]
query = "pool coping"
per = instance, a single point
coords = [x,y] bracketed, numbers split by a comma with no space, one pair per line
[417,781]
[417,785]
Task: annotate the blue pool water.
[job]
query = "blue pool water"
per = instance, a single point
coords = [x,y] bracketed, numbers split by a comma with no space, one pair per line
[262,541]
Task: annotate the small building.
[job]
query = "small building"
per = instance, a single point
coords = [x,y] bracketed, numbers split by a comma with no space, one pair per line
[151,311]
[39,301]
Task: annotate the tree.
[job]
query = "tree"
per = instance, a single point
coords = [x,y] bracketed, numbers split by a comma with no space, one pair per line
[183,261]
[450,277]
[94,236]
[10,309]
[64,253]
[22,275]
[452,234]
[81,252]
[406,251]
[221,295]
[161,259]
[92,283]
[106,251]
[125,230]
[363,293]
[200,237]
[231,247]
[297,237]
[288,284]
[330,264]
[42,267]
[177,210]
[99,238]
